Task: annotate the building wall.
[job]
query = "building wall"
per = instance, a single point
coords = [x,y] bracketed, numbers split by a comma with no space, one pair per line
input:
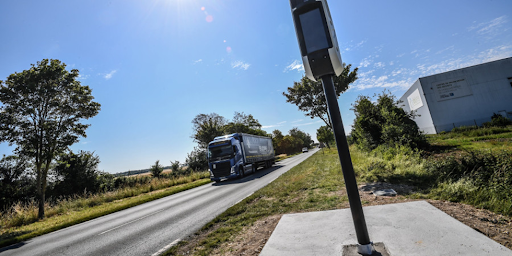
[414,99]
[467,96]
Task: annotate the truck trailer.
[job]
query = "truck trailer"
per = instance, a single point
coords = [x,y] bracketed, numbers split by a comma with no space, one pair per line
[235,155]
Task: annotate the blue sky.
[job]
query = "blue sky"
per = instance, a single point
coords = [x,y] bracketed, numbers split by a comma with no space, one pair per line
[155,64]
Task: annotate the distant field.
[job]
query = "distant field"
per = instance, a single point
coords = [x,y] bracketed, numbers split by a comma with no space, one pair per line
[165,171]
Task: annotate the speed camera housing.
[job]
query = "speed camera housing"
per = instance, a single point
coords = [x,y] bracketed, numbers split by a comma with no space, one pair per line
[317,38]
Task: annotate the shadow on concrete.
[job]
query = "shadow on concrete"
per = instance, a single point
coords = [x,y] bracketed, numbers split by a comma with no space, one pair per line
[249,177]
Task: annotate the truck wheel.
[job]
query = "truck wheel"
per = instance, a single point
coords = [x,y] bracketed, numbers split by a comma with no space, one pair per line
[254,168]
[242,173]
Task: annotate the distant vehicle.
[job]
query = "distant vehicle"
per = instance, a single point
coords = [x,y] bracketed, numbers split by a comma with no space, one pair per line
[304,150]
[233,156]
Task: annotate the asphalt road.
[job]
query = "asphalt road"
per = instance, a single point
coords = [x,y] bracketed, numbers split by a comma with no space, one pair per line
[153,227]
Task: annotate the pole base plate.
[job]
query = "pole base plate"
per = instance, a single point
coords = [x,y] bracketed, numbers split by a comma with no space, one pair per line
[352,250]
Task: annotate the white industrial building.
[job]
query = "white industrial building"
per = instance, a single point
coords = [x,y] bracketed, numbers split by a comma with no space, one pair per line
[462,97]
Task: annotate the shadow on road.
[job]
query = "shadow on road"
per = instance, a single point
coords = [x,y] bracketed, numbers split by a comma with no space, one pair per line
[252,176]
[11,247]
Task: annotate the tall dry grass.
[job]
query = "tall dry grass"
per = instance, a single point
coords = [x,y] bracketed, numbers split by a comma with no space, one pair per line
[26,213]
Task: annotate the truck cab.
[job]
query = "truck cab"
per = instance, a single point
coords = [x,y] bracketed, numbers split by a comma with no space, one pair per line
[225,158]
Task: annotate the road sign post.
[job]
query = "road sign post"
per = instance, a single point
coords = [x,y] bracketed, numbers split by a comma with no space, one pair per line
[321,58]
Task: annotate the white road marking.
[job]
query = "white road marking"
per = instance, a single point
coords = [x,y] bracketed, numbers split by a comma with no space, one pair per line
[175,242]
[143,217]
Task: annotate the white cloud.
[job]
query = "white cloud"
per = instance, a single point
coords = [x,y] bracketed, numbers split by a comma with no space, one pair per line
[450,48]
[270,126]
[240,65]
[295,65]
[379,65]
[491,54]
[109,75]
[83,77]
[198,61]
[398,71]
[490,28]
[273,125]
[366,62]
[381,82]
[352,47]
[296,121]
[361,43]
[310,123]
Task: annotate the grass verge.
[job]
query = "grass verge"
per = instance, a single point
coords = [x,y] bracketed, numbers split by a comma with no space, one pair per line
[314,185]
[483,180]
[90,208]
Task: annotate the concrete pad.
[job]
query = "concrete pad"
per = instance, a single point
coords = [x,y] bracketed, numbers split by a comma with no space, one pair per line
[414,228]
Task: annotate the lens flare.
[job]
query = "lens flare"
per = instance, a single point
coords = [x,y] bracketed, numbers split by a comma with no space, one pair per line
[228,49]
[209,18]
[202,8]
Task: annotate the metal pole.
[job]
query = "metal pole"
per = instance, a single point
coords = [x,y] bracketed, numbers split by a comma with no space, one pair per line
[346,165]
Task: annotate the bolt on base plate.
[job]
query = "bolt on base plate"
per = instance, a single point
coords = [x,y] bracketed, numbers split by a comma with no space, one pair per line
[377,249]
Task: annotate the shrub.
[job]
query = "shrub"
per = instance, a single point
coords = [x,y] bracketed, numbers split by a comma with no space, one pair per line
[489,172]
[500,121]
[464,129]
[384,123]
[156,169]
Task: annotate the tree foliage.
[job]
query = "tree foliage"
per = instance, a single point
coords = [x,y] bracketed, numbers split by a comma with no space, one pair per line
[207,127]
[305,137]
[41,114]
[175,166]
[156,169]
[291,143]
[197,160]
[77,174]
[243,123]
[309,96]
[384,123]
[277,136]
[15,185]
[324,134]
[498,121]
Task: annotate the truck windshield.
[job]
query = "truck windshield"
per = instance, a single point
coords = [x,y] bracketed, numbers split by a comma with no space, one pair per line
[220,152]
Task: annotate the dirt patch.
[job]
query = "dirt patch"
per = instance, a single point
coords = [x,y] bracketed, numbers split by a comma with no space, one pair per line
[253,238]
[495,226]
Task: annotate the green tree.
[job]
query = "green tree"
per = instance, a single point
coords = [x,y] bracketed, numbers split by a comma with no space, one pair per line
[243,123]
[175,167]
[41,114]
[324,134]
[207,127]
[305,137]
[384,123]
[277,137]
[196,160]
[309,96]
[290,145]
[77,173]
[156,169]
[14,185]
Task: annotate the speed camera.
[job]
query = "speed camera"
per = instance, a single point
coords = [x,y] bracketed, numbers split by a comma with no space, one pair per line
[317,38]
